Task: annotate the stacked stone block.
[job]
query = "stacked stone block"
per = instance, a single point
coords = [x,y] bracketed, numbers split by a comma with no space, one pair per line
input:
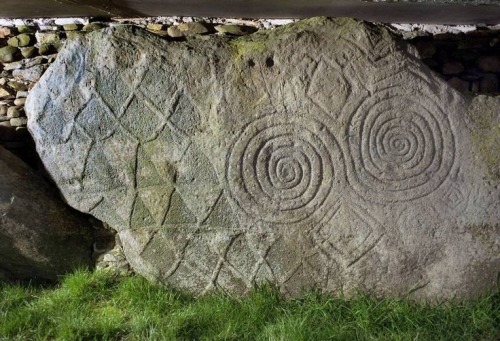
[470,62]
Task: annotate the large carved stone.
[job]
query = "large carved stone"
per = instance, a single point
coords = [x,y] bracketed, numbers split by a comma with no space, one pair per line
[321,154]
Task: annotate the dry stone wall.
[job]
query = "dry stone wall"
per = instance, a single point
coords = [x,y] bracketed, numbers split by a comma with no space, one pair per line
[320,154]
[469,62]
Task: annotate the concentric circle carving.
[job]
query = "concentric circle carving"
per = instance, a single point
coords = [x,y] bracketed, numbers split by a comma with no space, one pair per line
[282,169]
[402,146]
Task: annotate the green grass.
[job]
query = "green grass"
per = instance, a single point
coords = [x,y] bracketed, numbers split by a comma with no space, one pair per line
[100,306]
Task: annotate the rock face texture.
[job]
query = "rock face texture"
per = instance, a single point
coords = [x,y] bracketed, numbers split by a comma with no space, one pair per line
[41,238]
[321,154]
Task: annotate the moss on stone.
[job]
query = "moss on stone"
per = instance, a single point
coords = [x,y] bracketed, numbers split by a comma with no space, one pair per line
[486,234]
[8,54]
[247,45]
[486,135]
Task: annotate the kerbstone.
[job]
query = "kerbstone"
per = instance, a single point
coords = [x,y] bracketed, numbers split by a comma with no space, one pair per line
[41,238]
[320,154]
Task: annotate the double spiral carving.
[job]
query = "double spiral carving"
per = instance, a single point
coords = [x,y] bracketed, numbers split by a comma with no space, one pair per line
[401,145]
[282,169]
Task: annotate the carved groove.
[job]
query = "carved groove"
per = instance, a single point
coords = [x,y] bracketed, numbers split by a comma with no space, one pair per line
[282,169]
[402,147]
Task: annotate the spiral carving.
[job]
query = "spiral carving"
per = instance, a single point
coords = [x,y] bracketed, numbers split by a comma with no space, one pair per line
[402,146]
[282,169]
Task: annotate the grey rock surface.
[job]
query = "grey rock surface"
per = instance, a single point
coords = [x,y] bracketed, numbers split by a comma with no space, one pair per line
[41,238]
[320,154]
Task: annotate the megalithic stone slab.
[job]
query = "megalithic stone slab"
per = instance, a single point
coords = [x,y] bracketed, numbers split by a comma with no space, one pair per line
[41,238]
[320,154]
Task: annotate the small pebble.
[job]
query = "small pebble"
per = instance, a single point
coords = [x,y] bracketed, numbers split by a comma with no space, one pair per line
[70,27]
[7,102]
[12,66]
[235,30]
[155,27]
[18,121]
[51,58]
[49,28]
[14,111]
[31,74]
[5,32]
[34,61]
[20,40]
[46,49]
[52,38]
[26,29]
[9,54]
[18,86]
[22,94]
[28,52]
[3,110]
[187,29]
[4,92]
[20,101]
[92,27]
